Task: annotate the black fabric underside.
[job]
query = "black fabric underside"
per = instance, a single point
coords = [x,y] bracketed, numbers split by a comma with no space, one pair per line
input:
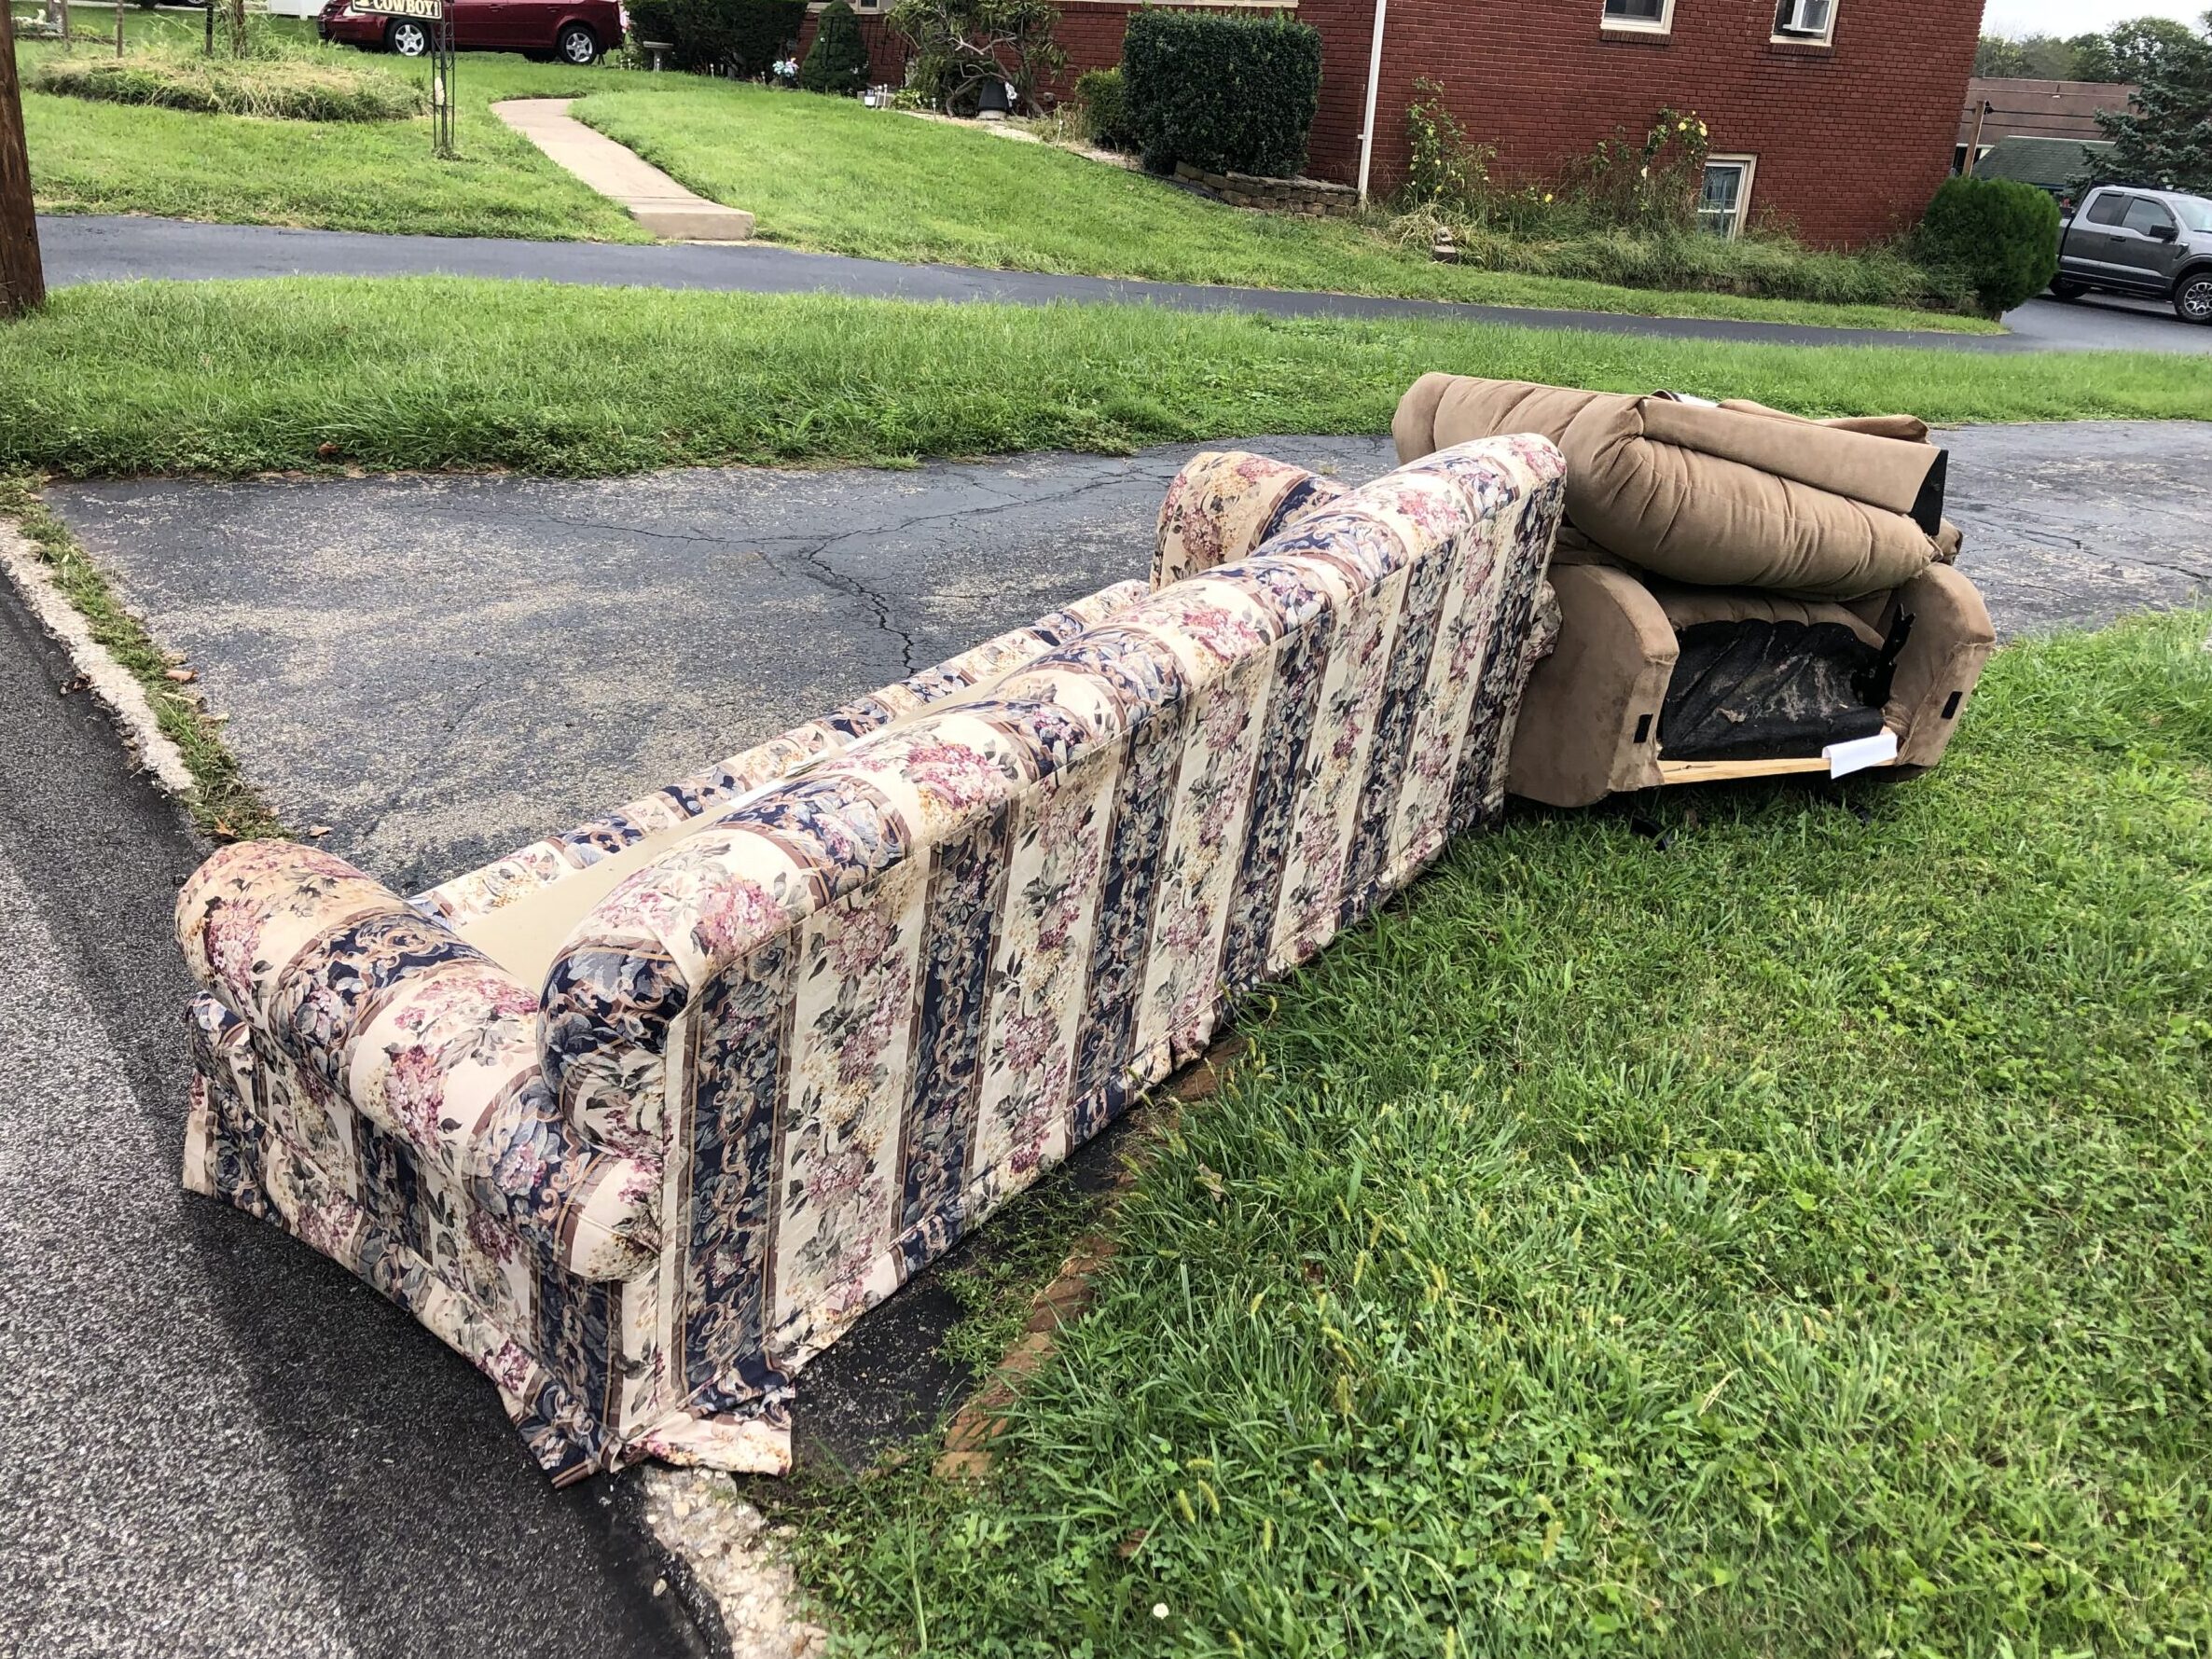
[1757,690]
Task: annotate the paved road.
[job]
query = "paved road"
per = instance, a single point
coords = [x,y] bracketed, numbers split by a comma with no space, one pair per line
[217,1443]
[443,667]
[105,249]
[2105,323]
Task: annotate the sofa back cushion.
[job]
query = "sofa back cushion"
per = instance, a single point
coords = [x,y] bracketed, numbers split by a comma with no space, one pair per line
[1714,496]
[877,999]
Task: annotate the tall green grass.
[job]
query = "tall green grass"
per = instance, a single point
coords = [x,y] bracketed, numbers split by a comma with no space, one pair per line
[287,87]
[1787,1240]
[236,377]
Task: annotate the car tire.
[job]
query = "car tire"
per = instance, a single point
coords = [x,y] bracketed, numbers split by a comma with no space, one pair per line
[576,46]
[407,38]
[2193,297]
[2062,289]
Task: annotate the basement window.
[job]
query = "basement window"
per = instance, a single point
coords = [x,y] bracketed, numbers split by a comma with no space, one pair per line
[1647,17]
[1806,23]
[1725,197]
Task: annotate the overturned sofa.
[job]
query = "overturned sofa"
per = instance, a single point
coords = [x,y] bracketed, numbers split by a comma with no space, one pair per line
[642,1116]
[1741,592]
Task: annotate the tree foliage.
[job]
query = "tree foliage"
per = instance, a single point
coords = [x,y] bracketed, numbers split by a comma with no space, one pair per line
[2131,52]
[958,45]
[2166,138]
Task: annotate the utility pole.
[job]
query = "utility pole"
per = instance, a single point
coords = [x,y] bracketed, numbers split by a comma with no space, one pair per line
[22,280]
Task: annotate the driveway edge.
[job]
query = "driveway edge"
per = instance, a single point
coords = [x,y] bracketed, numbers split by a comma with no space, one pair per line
[104,674]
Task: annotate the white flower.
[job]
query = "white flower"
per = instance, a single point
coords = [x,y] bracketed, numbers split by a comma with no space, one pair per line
[1159,1610]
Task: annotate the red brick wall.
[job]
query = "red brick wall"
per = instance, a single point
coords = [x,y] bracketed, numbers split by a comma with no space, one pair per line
[1852,138]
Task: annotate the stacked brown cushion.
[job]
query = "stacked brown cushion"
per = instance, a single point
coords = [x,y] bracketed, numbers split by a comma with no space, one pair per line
[1733,495]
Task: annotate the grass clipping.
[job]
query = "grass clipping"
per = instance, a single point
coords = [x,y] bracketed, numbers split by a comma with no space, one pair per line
[282,88]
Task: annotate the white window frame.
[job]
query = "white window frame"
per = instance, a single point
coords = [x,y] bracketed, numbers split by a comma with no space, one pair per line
[1805,37]
[1663,25]
[1743,197]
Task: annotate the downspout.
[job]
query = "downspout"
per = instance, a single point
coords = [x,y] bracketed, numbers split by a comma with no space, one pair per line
[1373,87]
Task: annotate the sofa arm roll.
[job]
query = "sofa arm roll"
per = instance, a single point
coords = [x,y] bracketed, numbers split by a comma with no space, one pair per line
[337,978]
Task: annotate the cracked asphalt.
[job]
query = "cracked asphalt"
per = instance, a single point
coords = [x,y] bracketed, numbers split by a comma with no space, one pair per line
[441,668]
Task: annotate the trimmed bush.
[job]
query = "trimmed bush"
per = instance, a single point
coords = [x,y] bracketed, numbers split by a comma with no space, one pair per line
[285,88]
[837,62]
[1224,91]
[743,36]
[1997,236]
[1105,108]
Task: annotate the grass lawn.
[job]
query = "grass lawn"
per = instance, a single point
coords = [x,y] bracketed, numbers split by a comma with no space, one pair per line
[1793,1241]
[827,173]
[820,172]
[89,157]
[235,377]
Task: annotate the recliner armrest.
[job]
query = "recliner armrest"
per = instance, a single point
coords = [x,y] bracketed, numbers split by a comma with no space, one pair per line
[1941,664]
[1589,722]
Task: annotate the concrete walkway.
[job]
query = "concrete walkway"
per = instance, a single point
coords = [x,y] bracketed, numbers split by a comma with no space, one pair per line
[648,195]
[443,667]
[93,248]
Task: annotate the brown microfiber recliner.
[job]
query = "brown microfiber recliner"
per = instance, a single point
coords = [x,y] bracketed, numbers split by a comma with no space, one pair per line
[1738,588]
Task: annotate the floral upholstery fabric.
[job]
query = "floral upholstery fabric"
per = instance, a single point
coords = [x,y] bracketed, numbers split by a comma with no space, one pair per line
[1224,503]
[540,864]
[797,1055]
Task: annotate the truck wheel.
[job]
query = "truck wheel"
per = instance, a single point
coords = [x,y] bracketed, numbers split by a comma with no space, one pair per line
[577,45]
[2062,289]
[408,38]
[2192,299]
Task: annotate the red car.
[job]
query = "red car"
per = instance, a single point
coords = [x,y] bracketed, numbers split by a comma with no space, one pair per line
[571,31]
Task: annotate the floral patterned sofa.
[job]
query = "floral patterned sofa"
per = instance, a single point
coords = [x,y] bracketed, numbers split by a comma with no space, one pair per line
[641,1117]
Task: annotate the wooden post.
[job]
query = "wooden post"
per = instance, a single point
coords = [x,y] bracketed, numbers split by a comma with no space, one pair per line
[118,28]
[1973,147]
[22,279]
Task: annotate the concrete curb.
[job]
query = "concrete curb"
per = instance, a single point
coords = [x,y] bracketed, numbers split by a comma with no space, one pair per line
[108,678]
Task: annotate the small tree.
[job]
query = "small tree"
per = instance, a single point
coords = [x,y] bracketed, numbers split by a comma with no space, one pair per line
[837,62]
[2165,140]
[958,45]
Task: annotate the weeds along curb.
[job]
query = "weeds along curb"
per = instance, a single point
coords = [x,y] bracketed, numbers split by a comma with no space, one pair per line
[175,740]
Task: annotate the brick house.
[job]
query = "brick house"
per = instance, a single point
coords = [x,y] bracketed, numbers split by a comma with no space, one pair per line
[1836,117]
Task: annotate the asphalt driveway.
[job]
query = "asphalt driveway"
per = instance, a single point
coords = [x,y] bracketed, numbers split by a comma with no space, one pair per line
[218,1442]
[441,668]
[101,248]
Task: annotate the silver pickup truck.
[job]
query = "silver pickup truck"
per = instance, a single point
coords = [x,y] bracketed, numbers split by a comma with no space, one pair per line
[2154,244]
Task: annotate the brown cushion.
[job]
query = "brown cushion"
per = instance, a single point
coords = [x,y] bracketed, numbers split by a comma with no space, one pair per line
[1718,497]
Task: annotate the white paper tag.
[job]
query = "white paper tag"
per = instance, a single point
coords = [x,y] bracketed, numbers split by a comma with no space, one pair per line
[1860,753]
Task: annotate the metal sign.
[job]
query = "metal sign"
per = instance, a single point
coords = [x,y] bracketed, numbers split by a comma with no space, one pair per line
[424,11]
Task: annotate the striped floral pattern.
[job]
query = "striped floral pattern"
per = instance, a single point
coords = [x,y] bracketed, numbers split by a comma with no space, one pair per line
[797,1055]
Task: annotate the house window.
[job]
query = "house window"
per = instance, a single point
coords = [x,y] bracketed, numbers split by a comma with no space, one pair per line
[1809,21]
[1652,17]
[1725,197]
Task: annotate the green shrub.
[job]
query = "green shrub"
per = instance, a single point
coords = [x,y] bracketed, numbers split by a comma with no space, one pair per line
[1105,102]
[1225,92]
[743,36]
[956,47]
[838,60]
[1997,236]
[298,89]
